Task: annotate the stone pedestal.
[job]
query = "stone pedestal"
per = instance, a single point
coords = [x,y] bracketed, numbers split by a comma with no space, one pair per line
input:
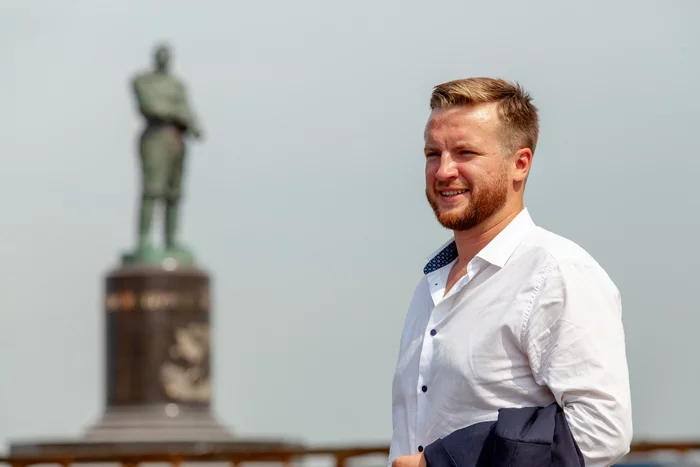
[158,378]
[157,370]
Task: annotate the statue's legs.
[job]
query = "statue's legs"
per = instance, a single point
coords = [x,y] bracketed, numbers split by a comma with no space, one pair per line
[155,168]
[171,214]
[173,198]
[148,205]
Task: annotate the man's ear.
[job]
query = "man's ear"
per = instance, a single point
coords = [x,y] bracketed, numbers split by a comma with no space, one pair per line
[521,162]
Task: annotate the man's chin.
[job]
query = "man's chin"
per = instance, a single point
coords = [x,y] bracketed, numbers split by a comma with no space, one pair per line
[452,212]
[449,220]
[456,219]
[450,216]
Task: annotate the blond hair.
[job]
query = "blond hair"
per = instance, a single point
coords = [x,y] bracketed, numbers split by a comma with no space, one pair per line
[517,114]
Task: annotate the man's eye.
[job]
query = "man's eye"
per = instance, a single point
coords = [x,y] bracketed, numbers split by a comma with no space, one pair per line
[432,154]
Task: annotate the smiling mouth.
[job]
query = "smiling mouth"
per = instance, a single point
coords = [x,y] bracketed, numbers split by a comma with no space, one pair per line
[452,193]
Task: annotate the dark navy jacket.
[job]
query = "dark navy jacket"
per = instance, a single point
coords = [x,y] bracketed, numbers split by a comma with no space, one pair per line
[522,437]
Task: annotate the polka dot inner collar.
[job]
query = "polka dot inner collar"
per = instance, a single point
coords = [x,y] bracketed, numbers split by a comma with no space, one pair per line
[445,257]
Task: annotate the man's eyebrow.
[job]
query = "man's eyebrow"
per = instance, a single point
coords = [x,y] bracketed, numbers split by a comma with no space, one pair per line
[458,145]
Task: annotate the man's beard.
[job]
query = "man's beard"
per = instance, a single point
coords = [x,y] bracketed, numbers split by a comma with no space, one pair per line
[482,205]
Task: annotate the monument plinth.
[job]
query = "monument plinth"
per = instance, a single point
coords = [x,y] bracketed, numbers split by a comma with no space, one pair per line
[158,378]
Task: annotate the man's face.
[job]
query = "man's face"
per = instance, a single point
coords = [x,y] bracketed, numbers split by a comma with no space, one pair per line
[162,59]
[467,176]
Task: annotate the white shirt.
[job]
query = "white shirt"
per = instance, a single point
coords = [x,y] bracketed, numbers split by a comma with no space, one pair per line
[534,320]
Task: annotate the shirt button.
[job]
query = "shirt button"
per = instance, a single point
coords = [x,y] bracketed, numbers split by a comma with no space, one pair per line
[420,448]
[433,332]
[424,389]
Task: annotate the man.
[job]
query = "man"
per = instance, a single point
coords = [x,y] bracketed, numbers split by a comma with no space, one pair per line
[162,101]
[507,314]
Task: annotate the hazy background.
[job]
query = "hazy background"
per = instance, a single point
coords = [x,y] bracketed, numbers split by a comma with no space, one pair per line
[305,201]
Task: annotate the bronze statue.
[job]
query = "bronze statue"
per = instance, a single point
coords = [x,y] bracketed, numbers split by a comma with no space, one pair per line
[162,101]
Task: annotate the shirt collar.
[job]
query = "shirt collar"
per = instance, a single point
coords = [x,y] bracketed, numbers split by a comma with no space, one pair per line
[496,252]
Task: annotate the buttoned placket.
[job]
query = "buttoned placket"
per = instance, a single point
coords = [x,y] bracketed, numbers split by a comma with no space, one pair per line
[443,306]
[437,281]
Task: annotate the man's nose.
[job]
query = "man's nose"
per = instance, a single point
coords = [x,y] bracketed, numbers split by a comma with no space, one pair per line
[447,169]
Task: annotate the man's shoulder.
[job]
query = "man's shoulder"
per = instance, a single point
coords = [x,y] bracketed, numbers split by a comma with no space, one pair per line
[142,77]
[558,247]
[150,77]
[563,255]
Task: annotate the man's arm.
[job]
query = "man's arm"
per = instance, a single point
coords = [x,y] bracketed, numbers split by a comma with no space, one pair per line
[185,113]
[576,345]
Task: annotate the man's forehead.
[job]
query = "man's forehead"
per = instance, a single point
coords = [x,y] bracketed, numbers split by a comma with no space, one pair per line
[468,120]
[478,114]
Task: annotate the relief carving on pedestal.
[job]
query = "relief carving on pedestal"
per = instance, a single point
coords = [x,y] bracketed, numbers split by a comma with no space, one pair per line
[185,375]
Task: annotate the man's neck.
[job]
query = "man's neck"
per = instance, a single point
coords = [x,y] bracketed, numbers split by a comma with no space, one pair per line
[472,241]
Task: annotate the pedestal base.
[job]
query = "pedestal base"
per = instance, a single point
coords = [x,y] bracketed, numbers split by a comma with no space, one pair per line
[156,430]
[158,423]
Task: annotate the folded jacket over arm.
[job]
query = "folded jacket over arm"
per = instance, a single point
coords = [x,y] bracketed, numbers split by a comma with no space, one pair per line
[520,437]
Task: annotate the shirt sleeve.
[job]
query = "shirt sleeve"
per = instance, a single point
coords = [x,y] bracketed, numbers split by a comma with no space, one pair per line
[574,338]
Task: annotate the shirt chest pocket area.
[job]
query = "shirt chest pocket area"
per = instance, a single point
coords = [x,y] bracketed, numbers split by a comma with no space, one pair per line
[476,353]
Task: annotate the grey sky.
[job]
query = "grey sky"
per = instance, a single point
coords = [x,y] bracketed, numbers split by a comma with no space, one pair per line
[306,201]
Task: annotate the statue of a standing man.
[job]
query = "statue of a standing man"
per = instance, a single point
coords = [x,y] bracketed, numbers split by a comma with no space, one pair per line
[162,101]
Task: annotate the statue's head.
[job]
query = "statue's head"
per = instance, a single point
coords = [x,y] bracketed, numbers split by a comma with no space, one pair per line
[162,57]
